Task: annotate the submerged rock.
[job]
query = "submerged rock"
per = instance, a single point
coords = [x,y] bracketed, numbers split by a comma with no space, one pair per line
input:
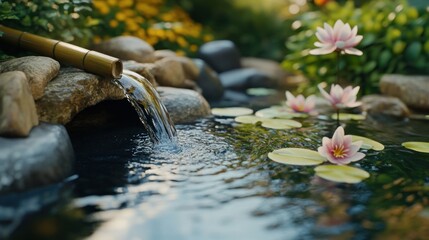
[184,105]
[17,109]
[127,48]
[72,91]
[45,157]
[378,104]
[412,90]
[39,71]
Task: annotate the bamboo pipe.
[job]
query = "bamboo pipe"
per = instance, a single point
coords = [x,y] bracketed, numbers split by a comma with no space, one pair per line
[88,60]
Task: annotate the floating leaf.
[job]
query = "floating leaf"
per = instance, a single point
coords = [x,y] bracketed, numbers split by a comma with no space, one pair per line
[348,116]
[341,173]
[279,112]
[280,123]
[417,146]
[261,91]
[249,119]
[232,111]
[296,156]
[368,143]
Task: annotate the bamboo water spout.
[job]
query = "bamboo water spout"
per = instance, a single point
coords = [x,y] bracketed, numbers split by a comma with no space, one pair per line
[88,60]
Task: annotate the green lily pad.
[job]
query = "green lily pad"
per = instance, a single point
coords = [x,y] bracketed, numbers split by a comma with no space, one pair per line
[296,156]
[261,91]
[341,173]
[348,116]
[231,111]
[417,146]
[279,112]
[280,123]
[249,119]
[368,143]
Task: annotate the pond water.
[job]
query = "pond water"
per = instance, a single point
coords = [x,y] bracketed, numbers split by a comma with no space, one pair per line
[219,184]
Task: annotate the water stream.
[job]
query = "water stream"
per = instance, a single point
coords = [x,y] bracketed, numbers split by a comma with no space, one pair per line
[146,101]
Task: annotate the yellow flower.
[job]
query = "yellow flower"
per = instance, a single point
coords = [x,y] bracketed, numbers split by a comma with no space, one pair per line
[113,23]
[112,2]
[182,42]
[120,16]
[101,6]
[193,48]
[125,3]
[131,25]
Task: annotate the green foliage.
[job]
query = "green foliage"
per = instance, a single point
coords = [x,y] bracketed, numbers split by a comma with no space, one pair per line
[395,41]
[256,33]
[65,20]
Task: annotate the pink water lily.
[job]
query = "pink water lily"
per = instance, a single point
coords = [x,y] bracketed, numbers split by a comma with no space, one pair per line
[340,149]
[341,98]
[339,38]
[300,103]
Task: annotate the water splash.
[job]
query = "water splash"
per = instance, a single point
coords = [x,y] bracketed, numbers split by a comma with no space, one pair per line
[152,112]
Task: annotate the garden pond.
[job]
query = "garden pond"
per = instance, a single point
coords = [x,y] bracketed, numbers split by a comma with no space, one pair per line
[218,183]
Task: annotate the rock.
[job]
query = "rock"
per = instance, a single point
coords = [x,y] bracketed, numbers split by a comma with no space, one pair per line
[378,104]
[72,91]
[245,78]
[208,81]
[190,69]
[127,48]
[169,72]
[271,68]
[147,70]
[39,71]
[45,157]
[412,90]
[221,55]
[160,54]
[184,105]
[17,109]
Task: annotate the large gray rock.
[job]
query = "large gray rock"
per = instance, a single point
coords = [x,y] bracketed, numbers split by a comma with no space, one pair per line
[271,68]
[412,90]
[45,157]
[208,81]
[183,105]
[39,71]
[71,92]
[378,104]
[17,109]
[127,48]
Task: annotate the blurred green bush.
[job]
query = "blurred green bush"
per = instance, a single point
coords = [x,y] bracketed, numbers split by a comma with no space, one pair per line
[396,40]
[65,20]
[257,33]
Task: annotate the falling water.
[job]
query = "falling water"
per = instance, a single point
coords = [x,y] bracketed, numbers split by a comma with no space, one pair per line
[152,113]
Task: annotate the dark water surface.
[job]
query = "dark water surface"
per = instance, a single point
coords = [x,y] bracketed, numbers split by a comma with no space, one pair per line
[219,184]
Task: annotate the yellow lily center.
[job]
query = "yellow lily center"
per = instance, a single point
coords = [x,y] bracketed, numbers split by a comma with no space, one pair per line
[339,151]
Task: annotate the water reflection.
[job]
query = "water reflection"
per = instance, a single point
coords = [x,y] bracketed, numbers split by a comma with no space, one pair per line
[219,184]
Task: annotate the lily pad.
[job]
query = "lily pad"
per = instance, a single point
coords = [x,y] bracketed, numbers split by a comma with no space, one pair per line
[296,156]
[341,173]
[279,112]
[417,146]
[231,111]
[348,116]
[249,119]
[368,143]
[261,91]
[280,123]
